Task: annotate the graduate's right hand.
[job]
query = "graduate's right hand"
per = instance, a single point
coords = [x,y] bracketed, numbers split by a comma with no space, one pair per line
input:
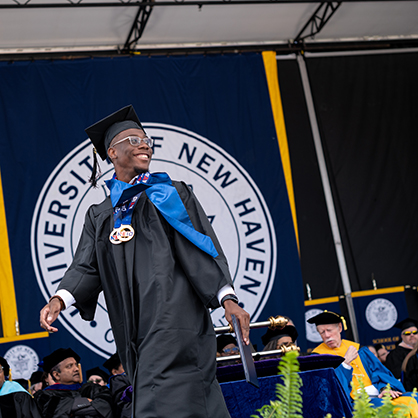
[232,308]
[49,314]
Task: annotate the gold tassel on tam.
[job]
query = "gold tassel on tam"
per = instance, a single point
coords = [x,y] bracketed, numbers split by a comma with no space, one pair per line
[10,374]
[344,323]
[81,373]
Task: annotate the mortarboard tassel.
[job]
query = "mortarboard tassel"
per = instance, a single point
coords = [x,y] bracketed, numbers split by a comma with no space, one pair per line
[96,170]
[81,373]
[344,323]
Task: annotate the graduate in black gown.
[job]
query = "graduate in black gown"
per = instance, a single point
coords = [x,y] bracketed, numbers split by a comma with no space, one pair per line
[159,281]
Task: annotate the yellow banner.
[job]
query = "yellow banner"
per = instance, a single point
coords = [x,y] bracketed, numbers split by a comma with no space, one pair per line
[7,288]
[270,66]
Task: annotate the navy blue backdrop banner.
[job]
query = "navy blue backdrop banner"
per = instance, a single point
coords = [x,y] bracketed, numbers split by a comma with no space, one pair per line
[377,311]
[213,127]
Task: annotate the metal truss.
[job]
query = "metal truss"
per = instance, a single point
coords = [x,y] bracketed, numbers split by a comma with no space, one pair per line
[138,26]
[318,20]
[30,4]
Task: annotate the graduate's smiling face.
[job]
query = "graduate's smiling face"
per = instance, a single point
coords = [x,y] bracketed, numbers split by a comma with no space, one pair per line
[129,160]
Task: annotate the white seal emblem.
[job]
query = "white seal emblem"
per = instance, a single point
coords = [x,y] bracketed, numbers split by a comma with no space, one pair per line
[381,314]
[23,361]
[232,201]
[311,333]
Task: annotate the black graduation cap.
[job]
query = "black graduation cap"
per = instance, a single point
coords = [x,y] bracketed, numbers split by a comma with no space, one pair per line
[407,323]
[36,377]
[113,362]
[223,340]
[57,356]
[5,365]
[378,346]
[275,334]
[101,133]
[328,317]
[98,372]
[22,382]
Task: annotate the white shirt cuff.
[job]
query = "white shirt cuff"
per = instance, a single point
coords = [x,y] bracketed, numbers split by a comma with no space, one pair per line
[226,290]
[66,296]
[346,366]
[372,391]
[69,300]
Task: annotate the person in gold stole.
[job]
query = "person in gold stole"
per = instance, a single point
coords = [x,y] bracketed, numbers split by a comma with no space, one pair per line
[359,364]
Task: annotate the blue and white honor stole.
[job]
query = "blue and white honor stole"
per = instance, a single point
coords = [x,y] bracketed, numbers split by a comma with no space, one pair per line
[165,198]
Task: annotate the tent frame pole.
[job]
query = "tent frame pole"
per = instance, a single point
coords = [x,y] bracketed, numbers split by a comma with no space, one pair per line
[328,196]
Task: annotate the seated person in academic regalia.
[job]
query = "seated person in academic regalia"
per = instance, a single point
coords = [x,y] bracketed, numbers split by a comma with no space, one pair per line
[410,369]
[120,386]
[67,397]
[359,364]
[98,376]
[114,365]
[382,352]
[15,401]
[227,345]
[273,339]
[409,336]
[35,382]
[372,350]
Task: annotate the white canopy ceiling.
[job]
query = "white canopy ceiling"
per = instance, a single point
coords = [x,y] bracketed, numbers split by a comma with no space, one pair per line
[46,26]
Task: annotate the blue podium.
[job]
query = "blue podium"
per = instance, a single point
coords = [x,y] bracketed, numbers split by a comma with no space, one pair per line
[321,391]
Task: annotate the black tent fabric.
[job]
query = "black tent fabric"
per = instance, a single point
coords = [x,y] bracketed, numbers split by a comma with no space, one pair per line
[367,110]
[317,252]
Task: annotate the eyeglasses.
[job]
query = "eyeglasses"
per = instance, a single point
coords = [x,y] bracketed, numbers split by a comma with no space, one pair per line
[231,350]
[136,141]
[410,332]
[96,380]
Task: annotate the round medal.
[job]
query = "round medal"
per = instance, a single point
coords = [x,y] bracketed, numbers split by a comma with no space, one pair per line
[126,233]
[114,237]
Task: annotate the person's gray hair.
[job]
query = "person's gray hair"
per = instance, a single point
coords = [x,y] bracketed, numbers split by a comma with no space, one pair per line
[57,369]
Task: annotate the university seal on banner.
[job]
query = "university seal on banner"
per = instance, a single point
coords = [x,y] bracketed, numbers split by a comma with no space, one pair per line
[312,334]
[23,361]
[381,314]
[231,199]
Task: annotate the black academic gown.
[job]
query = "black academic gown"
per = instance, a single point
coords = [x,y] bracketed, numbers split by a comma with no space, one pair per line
[18,405]
[410,377]
[395,359]
[118,384]
[158,288]
[60,403]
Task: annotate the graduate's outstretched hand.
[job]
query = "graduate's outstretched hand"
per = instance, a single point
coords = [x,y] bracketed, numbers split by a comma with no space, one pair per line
[232,308]
[49,314]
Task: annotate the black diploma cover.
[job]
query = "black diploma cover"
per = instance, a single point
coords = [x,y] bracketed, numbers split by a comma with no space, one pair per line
[246,356]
